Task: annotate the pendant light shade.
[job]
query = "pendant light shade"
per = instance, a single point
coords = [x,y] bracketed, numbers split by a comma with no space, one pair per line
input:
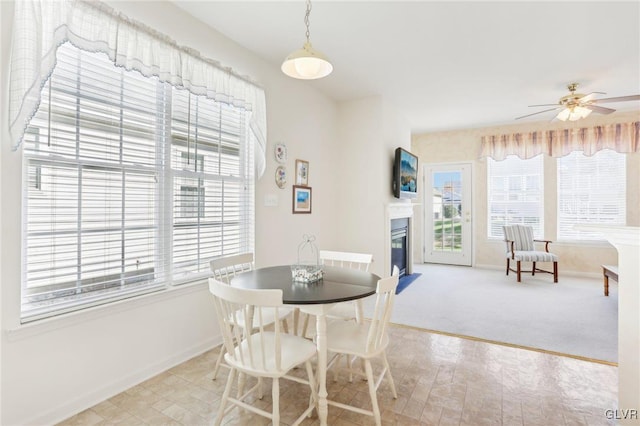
[307,63]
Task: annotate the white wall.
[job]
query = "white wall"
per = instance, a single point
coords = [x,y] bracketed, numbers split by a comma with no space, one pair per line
[54,368]
[306,124]
[5,37]
[370,130]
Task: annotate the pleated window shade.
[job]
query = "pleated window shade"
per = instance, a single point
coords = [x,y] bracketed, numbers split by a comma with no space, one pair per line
[591,190]
[130,186]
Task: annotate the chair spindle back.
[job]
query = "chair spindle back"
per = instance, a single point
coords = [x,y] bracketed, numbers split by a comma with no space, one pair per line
[225,268]
[360,261]
[386,292]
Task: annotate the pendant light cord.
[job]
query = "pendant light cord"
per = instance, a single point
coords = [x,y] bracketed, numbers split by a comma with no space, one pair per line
[306,18]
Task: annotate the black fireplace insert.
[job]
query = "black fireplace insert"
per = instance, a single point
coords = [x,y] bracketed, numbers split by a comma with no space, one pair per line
[400,244]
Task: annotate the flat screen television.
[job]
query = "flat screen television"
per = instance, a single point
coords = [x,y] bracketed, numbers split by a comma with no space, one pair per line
[405,174]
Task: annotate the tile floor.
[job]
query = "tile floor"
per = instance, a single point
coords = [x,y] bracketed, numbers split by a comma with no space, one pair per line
[441,380]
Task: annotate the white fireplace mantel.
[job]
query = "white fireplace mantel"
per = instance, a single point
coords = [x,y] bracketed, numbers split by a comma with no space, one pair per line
[400,210]
[626,240]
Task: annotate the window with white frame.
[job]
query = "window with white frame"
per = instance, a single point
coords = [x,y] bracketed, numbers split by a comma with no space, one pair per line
[590,190]
[515,194]
[130,185]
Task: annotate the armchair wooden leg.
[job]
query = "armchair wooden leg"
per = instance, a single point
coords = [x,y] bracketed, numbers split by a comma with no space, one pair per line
[533,269]
[507,266]
[555,272]
[518,269]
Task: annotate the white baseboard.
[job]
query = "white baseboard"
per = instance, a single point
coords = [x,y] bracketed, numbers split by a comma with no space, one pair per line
[493,267]
[567,273]
[119,385]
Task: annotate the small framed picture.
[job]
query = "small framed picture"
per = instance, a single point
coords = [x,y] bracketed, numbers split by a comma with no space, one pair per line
[302,172]
[301,199]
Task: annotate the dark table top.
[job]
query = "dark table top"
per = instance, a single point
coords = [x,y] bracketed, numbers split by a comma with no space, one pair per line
[337,284]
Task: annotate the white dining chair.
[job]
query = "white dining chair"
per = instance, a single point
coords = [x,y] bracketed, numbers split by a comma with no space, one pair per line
[360,261]
[343,310]
[260,353]
[365,342]
[224,269]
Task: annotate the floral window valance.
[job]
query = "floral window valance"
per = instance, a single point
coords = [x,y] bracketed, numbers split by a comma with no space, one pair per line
[619,137]
[40,26]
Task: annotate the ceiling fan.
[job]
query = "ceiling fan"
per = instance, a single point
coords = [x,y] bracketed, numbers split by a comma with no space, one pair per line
[575,106]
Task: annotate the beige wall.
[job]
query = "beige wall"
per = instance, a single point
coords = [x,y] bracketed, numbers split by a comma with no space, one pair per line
[464,146]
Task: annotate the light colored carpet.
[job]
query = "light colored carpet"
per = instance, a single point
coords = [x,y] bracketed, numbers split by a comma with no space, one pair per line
[572,317]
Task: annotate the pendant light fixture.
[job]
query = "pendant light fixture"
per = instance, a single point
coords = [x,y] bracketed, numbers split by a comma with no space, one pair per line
[307,63]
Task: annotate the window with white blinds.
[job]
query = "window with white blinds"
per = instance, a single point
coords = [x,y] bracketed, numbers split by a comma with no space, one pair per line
[590,190]
[515,194]
[130,185]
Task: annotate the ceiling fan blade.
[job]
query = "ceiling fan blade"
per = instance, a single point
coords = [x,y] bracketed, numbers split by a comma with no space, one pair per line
[539,112]
[619,99]
[541,105]
[590,96]
[599,109]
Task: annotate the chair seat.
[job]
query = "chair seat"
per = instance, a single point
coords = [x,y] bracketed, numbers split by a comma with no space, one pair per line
[295,350]
[351,338]
[268,316]
[533,256]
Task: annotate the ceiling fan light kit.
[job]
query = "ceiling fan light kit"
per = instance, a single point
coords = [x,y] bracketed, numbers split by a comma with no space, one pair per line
[307,63]
[576,106]
[573,113]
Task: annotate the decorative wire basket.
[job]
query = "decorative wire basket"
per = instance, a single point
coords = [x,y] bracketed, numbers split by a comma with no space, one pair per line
[307,269]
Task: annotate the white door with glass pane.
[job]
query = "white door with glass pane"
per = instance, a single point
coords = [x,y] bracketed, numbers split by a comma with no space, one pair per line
[447,210]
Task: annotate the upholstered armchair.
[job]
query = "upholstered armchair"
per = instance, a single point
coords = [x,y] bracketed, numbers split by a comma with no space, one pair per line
[521,248]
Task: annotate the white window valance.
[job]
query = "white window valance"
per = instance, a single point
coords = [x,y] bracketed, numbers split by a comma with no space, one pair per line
[619,137]
[40,26]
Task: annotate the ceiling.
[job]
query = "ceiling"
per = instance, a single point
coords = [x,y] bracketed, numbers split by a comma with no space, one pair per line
[449,65]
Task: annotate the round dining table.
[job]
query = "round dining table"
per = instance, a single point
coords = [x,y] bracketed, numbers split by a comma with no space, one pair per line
[316,298]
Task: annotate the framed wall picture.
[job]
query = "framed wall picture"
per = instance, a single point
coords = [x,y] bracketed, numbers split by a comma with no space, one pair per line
[302,172]
[301,199]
